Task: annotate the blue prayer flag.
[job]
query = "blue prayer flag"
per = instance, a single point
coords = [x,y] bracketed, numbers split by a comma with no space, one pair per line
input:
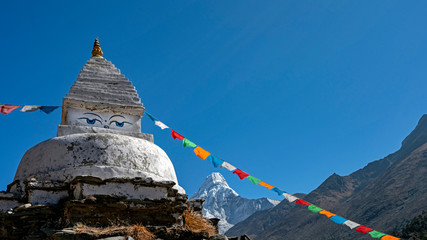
[151,117]
[338,219]
[278,191]
[48,109]
[216,162]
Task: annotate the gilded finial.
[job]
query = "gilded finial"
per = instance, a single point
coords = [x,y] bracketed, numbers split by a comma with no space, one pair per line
[96,49]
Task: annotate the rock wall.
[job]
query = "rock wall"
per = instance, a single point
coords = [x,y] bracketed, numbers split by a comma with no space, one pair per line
[156,205]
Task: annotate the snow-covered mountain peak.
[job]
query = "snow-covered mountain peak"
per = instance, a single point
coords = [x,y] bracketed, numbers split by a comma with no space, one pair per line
[222,202]
[214,184]
[214,179]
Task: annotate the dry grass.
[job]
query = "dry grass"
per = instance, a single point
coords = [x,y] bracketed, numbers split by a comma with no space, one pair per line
[195,222]
[138,232]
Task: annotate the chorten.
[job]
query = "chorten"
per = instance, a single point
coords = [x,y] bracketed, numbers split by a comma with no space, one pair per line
[99,137]
[99,170]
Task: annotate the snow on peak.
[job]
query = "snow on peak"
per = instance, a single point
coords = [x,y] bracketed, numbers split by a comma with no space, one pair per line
[214,183]
[216,178]
[222,202]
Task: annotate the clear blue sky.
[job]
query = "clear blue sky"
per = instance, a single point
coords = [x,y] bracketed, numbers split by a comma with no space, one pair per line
[289,91]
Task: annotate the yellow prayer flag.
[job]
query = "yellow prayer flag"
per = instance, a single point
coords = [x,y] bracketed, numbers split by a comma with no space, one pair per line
[201,153]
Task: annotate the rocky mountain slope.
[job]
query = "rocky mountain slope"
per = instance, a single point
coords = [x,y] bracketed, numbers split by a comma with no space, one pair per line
[224,203]
[416,229]
[385,195]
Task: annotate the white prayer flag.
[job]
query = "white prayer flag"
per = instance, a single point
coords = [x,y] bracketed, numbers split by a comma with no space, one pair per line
[228,166]
[160,124]
[351,224]
[30,108]
[290,197]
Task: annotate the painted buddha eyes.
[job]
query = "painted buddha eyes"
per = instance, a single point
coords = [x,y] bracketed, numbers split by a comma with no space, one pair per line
[118,124]
[92,119]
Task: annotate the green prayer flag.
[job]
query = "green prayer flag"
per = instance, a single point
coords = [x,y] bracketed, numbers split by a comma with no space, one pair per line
[254,180]
[314,209]
[188,143]
[376,234]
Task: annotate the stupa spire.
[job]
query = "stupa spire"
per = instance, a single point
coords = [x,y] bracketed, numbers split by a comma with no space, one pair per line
[96,51]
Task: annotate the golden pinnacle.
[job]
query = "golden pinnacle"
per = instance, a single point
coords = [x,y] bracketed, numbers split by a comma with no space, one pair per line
[96,49]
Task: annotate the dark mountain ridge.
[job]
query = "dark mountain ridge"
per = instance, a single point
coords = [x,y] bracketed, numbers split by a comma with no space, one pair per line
[384,195]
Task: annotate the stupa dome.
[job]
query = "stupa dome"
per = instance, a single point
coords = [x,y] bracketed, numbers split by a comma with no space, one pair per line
[100,155]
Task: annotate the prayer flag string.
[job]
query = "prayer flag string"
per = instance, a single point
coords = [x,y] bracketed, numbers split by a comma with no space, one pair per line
[8,108]
[217,162]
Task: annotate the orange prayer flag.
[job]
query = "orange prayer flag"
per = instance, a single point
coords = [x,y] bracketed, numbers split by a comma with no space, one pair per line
[389,237]
[266,185]
[328,214]
[201,153]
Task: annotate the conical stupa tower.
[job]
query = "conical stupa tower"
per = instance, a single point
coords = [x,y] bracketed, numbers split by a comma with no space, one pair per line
[101,89]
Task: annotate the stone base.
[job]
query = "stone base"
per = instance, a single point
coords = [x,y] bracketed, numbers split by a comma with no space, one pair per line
[162,217]
[50,193]
[40,210]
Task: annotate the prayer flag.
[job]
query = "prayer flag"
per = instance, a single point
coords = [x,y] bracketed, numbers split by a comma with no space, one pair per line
[188,143]
[160,124]
[253,179]
[363,229]
[228,166]
[176,135]
[328,214]
[48,109]
[278,191]
[389,237]
[30,108]
[289,197]
[7,108]
[302,202]
[314,209]
[337,219]
[351,224]
[151,117]
[242,175]
[216,162]
[376,234]
[266,185]
[201,153]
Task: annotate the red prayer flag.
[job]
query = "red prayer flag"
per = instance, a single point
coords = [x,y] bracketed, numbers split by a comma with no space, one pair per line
[302,202]
[242,175]
[176,135]
[7,108]
[363,229]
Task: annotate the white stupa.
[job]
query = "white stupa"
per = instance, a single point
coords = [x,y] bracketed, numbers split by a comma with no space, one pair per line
[99,148]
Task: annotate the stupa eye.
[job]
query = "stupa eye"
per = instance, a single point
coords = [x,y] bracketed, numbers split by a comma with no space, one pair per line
[119,124]
[90,121]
